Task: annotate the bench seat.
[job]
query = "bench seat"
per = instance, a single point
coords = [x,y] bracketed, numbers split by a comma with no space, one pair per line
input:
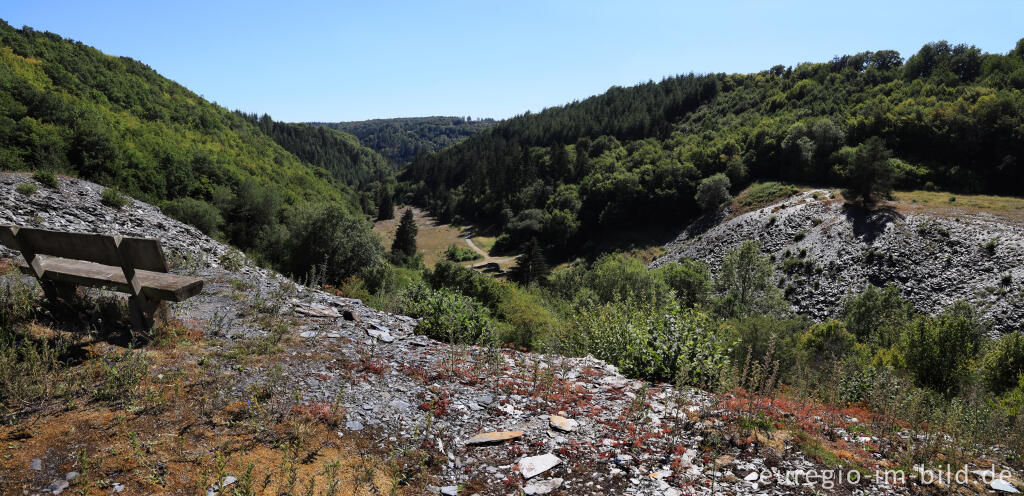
[155,285]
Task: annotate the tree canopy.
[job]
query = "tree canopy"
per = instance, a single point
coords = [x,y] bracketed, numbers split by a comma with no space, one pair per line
[952,117]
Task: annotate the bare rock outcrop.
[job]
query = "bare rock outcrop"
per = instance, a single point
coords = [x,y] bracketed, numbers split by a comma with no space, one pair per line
[827,251]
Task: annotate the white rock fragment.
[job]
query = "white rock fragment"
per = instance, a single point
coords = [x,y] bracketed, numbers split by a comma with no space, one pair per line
[228,480]
[563,424]
[531,466]
[1002,485]
[382,335]
[543,487]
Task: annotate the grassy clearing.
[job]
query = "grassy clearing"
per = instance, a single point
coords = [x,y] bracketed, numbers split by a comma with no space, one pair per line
[949,204]
[485,243]
[759,195]
[432,239]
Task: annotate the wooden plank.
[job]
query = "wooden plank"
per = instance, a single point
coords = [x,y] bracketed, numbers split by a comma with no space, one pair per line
[98,248]
[155,285]
[143,254]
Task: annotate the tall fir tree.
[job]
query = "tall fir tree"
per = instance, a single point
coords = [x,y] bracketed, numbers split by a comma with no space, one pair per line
[530,266]
[404,246]
[385,204]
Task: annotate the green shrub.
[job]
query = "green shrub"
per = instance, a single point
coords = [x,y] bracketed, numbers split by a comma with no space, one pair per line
[646,341]
[989,247]
[459,254]
[568,282]
[522,309]
[446,315]
[1012,403]
[689,279]
[827,341]
[939,350]
[1003,362]
[713,192]
[112,198]
[467,281]
[198,213]
[27,189]
[745,284]
[46,178]
[616,277]
[321,235]
[529,321]
[877,316]
[754,335]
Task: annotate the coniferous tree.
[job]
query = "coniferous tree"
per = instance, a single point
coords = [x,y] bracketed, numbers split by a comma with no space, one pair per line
[385,204]
[870,176]
[404,246]
[530,266]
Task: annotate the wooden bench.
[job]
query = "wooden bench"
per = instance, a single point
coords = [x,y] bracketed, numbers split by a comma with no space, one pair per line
[63,260]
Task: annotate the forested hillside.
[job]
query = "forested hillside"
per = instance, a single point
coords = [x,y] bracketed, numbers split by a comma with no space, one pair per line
[402,139]
[337,152]
[67,108]
[952,118]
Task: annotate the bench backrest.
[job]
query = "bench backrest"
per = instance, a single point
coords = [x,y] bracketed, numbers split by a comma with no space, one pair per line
[138,253]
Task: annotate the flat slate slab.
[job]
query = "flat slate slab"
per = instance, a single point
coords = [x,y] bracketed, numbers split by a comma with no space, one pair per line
[535,465]
[563,424]
[493,437]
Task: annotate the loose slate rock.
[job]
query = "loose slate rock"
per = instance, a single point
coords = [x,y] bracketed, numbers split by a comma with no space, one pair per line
[1002,485]
[543,487]
[563,424]
[381,335]
[493,437]
[531,466]
[317,310]
[58,486]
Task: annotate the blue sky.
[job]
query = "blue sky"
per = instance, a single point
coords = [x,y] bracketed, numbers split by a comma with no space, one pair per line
[331,61]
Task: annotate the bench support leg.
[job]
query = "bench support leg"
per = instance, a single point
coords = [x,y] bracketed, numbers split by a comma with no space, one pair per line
[54,291]
[145,313]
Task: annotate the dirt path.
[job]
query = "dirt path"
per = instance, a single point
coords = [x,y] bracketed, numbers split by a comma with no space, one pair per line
[502,261]
[433,237]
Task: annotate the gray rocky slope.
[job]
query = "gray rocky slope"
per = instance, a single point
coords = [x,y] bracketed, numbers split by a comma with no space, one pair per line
[623,436]
[837,249]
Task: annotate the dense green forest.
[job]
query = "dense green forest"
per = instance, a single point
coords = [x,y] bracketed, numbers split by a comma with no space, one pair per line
[951,117]
[337,152]
[400,140]
[68,108]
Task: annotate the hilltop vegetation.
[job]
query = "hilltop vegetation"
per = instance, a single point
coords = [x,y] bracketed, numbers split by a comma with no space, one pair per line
[402,139]
[337,152]
[68,108]
[952,118]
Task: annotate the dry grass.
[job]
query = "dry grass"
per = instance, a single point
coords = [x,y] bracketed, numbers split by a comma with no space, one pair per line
[433,238]
[178,435]
[173,417]
[949,204]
